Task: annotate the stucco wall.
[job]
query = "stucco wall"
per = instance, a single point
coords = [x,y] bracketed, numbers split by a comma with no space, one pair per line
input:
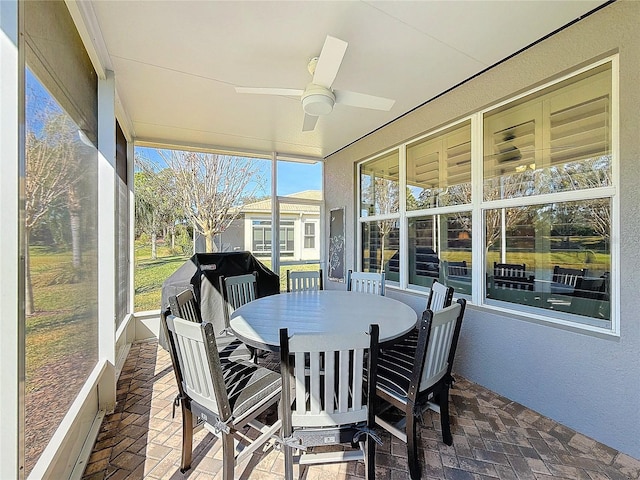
[586,382]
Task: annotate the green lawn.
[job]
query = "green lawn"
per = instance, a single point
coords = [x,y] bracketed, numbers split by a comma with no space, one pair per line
[62,330]
[149,275]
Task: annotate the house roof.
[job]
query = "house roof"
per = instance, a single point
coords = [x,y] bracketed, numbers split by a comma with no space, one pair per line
[285,207]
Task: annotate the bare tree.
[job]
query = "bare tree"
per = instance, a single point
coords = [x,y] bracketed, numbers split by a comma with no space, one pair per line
[51,173]
[382,195]
[211,188]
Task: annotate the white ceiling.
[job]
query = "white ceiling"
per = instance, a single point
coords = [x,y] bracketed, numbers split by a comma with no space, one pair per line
[176,63]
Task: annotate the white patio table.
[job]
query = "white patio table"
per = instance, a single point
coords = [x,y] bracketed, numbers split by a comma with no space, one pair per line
[258,323]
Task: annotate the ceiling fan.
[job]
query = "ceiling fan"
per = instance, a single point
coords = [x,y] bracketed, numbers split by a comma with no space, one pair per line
[319,98]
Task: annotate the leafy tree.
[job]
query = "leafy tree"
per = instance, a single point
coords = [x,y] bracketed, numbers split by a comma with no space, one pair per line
[156,208]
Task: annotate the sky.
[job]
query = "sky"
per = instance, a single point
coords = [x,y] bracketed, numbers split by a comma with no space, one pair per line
[293,177]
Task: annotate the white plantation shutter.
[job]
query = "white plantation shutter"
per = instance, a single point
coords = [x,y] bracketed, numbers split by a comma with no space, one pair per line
[581,131]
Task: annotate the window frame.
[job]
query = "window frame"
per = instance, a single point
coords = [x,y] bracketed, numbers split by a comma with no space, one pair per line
[478,206]
[311,236]
[265,226]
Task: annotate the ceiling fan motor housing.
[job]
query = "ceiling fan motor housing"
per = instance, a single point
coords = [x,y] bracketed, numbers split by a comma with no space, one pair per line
[317,100]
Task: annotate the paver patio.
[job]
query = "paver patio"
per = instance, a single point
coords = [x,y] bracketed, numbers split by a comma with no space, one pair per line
[493,438]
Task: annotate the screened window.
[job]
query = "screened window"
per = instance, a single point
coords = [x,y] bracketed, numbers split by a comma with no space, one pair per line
[60,211]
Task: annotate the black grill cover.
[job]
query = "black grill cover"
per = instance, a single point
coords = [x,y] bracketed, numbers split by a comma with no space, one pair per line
[202,272]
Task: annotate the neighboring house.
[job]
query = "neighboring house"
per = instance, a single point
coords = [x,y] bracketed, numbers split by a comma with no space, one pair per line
[299,228]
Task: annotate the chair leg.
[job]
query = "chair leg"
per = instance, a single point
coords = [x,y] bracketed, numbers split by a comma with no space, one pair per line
[370,459]
[187,438]
[228,456]
[443,401]
[288,464]
[412,446]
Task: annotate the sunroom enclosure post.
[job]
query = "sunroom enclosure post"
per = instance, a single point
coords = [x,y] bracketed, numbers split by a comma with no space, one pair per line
[275,216]
[107,248]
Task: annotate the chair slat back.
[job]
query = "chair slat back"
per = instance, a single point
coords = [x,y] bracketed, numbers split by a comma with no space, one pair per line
[184,306]
[240,289]
[328,386]
[513,270]
[440,296]
[366,282]
[237,290]
[441,329]
[457,269]
[199,364]
[567,276]
[302,281]
[512,276]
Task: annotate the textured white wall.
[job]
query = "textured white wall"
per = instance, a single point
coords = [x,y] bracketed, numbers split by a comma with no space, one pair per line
[586,382]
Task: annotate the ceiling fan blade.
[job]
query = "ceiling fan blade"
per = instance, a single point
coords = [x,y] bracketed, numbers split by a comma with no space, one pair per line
[329,61]
[362,100]
[309,122]
[271,91]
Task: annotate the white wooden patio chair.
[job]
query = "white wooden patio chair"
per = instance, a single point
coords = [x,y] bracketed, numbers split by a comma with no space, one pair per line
[302,281]
[228,396]
[366,282]
[414,384]
[236,291]
[440,297]
[229,346]
[328,405]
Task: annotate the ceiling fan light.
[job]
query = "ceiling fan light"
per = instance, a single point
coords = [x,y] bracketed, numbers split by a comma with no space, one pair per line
[317,104]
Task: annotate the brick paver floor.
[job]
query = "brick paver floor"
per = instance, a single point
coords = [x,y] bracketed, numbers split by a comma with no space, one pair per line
[493,438]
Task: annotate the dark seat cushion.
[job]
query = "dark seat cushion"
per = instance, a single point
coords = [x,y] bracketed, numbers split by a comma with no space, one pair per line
[247,384]
[395,365]
[230,348]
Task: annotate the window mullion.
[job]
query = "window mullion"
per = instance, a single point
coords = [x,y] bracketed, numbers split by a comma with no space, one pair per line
[403,224]
[477,221]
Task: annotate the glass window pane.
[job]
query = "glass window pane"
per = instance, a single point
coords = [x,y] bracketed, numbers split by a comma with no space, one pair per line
[554,256]
[555,140]
[309,228]
[439,169]
[380,186]
[309,235]
[440,249]
[381,248]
